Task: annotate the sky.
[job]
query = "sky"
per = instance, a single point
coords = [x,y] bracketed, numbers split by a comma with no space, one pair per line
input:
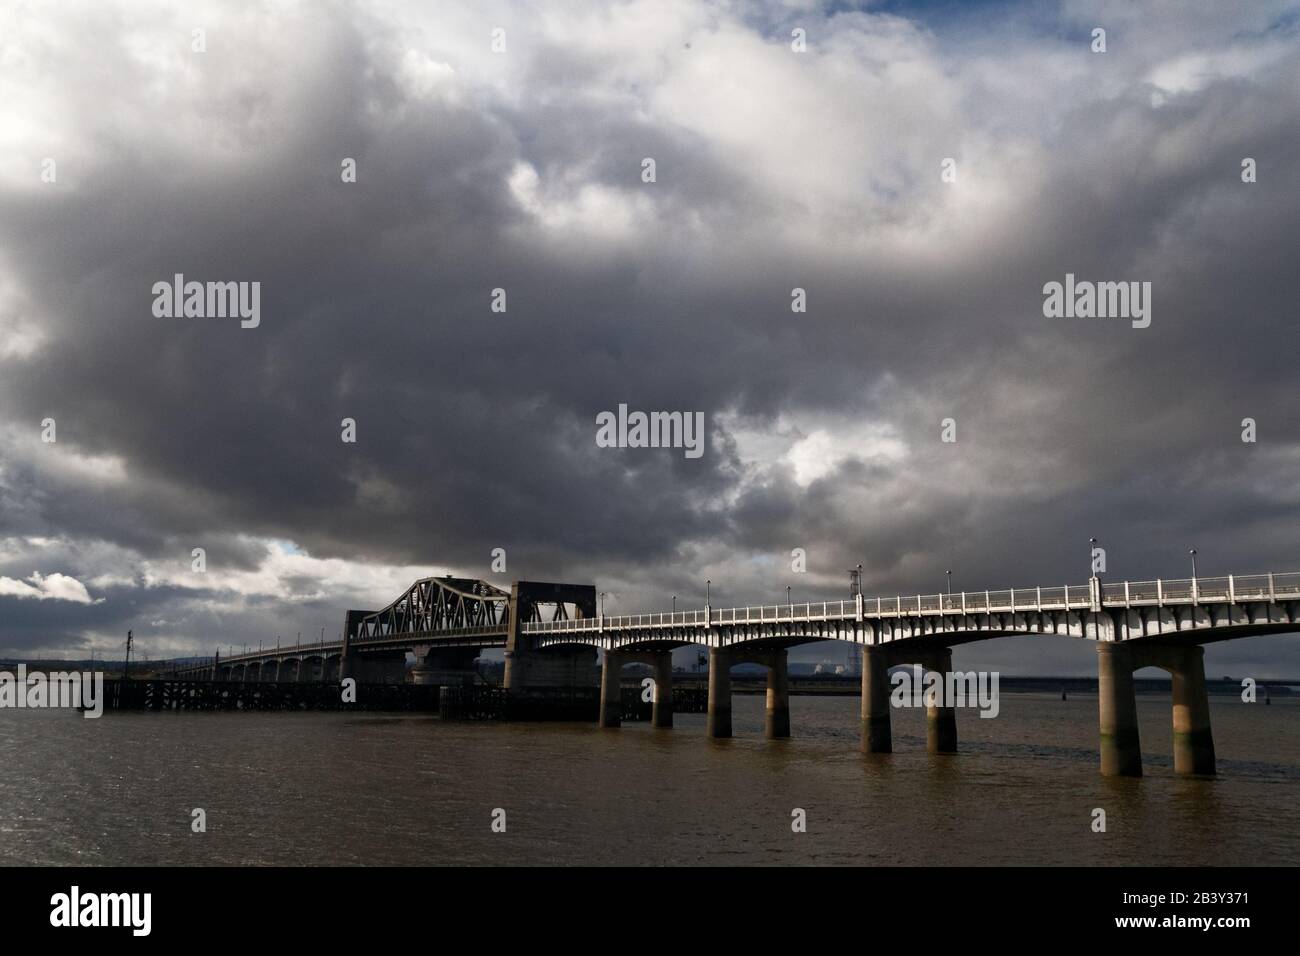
[919,170]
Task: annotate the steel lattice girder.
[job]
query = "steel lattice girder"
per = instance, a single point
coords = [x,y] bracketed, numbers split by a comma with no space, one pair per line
[439,604]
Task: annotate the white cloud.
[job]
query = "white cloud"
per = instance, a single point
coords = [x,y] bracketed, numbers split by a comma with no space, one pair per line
[815,446]
[52,587]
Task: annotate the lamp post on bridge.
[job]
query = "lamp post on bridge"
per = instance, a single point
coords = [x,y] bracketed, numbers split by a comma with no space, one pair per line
[855,581]
[1095,597]
[674,603]
[602,603]
[787,596]
[708,593]
[1192,552]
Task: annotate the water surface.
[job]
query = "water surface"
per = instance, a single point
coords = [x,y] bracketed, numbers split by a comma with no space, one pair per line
[328,788]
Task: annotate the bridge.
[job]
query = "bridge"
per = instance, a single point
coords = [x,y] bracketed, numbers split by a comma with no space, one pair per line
[551,634]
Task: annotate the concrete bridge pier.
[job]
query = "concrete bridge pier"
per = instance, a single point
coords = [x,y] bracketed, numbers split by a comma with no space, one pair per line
[941,720]
[718,723]
[776,720]
[611,690]
[1193,739]
[611,686]
[1121,750]
[877,737]
[662,713]
[528,669]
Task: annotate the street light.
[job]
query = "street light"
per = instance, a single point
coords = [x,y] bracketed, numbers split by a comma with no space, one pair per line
[708,593]
[602,603]
[674,603]
[787,595]
[949,573]
[1192,552]
[1092,548]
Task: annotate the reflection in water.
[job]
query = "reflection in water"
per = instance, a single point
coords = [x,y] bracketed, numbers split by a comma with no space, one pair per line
[338,789]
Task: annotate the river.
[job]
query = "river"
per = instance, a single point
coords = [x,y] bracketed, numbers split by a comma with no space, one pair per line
[330,788]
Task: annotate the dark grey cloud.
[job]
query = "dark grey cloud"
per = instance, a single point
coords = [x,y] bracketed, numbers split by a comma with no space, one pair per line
[522,171]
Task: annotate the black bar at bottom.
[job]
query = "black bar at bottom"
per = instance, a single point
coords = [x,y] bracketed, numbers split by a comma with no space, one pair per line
[334,906]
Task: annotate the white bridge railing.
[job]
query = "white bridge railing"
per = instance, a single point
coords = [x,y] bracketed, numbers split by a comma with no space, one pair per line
[1183,591]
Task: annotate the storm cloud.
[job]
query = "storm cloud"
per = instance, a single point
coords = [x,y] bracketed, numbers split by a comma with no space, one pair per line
[522,170]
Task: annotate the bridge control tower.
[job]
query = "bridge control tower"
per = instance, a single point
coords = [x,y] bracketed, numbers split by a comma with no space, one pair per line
[526,666]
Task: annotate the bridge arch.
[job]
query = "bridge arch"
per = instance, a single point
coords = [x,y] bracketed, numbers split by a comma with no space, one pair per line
[611,687]
[1121,751]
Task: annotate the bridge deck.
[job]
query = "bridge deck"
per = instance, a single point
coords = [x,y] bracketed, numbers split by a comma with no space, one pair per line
[1126,594]
[1232,591]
